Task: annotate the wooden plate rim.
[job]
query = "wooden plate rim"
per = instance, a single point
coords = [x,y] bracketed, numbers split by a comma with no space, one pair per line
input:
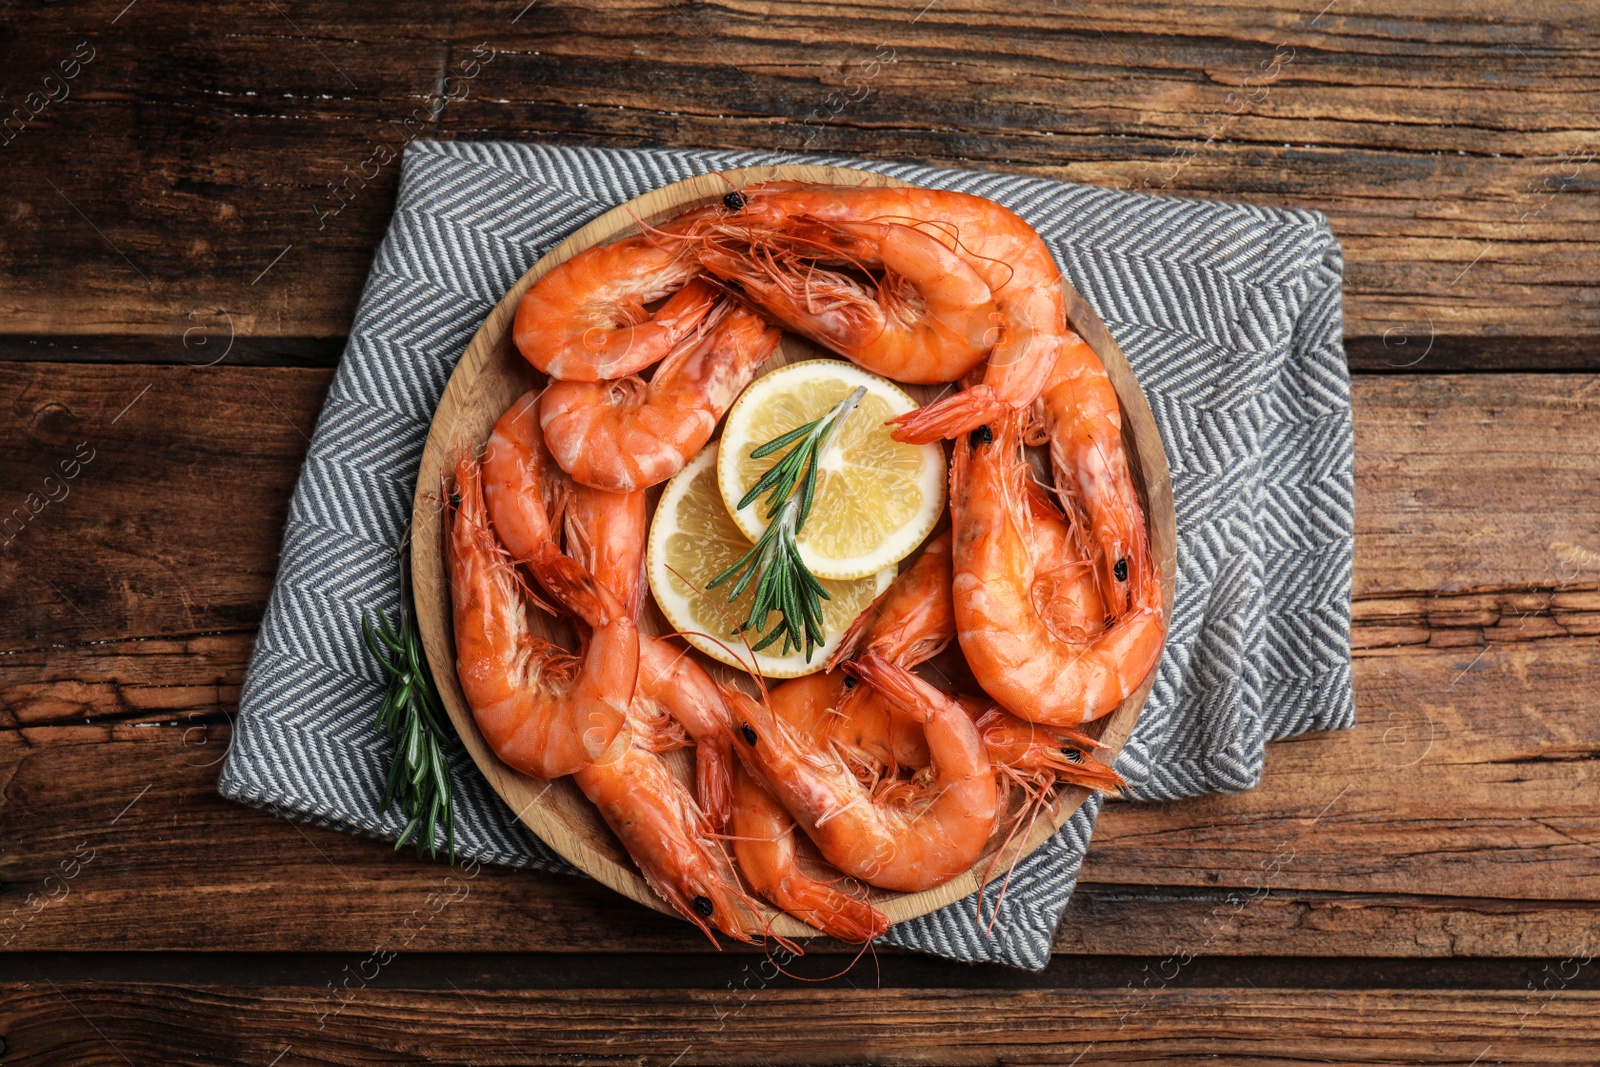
[525,795]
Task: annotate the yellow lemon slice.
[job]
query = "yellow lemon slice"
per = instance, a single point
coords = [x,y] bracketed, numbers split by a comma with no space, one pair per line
[692,540]
[876,498]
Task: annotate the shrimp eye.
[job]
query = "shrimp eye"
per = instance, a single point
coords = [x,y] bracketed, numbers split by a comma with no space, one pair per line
[735,200]
[703,906]
[1072,754]
[749,734]
[1121,570]
[849,681]
[981,436]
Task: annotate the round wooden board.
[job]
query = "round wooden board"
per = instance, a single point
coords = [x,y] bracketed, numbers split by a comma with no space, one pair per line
[492,374]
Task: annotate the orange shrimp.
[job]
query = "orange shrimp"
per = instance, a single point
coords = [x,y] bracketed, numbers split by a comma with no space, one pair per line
[925,320]
[904,835]
[1082,422]
[913,620]
[524,492]
[586,319]
[606,534]
[669,838]
[1035,672]
[606,531]
[764,843]
[630,434]
[542,710]
[1041,755]
[1029,318]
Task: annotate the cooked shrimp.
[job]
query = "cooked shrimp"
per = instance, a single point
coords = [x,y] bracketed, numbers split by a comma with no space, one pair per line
[542,710]
[1082,422]
[905,835]
[630,434]
[1033,671]
[1029,318]
[925,320]
[672,681]
[586,319]
[665,832]
[911,621]
[764,843]
[606,532]
[523,489]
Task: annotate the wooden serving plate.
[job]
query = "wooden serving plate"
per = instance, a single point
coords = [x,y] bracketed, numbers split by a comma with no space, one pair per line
[492,374]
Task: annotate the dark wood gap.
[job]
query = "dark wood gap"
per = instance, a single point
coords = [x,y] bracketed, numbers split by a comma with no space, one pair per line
[893,969]
[1365,354]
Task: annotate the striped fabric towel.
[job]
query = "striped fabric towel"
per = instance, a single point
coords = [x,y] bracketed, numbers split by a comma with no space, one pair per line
[1230,315]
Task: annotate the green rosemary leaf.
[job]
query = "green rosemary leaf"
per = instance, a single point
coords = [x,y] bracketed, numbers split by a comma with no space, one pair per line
[413,717]
[778,442]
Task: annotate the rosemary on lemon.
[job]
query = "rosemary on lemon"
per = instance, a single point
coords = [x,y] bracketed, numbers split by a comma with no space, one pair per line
[414,719]
[783,582]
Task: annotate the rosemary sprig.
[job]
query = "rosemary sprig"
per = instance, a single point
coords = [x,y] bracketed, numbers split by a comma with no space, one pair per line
[414,719]
[783,582]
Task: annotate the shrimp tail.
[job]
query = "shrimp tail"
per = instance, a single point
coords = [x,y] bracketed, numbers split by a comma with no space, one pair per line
[713,769]
[573,588]
[907,693]
[953,416]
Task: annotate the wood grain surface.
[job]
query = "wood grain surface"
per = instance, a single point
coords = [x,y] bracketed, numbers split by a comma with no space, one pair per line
[1450,148]
[192,200]
[90,1025]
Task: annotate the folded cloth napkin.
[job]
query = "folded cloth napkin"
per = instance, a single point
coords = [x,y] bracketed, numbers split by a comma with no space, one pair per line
[1230,315]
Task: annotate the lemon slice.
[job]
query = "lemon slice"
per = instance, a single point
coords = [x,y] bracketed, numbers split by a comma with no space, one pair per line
[692,540]
[876,498]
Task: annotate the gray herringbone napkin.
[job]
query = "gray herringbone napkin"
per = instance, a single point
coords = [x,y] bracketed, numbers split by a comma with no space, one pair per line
[1230,315]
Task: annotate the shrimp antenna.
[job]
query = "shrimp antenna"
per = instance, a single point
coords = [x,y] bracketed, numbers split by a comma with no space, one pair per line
[866,946]
[954,232]
[1037,798]
[728,618]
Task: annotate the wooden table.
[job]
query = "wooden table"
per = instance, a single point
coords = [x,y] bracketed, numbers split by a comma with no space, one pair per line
[192,199]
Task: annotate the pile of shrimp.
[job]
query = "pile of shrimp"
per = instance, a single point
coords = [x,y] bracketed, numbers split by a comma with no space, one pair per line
[1040,598]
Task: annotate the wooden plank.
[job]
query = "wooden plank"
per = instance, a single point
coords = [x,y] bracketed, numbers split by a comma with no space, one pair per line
[1463,192]
[93,1024]
[145,501]
[1465,485]
[1440,833]
[1468,775]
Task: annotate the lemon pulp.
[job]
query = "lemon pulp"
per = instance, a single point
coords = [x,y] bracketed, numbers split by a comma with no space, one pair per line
[692,540]
[876,498]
